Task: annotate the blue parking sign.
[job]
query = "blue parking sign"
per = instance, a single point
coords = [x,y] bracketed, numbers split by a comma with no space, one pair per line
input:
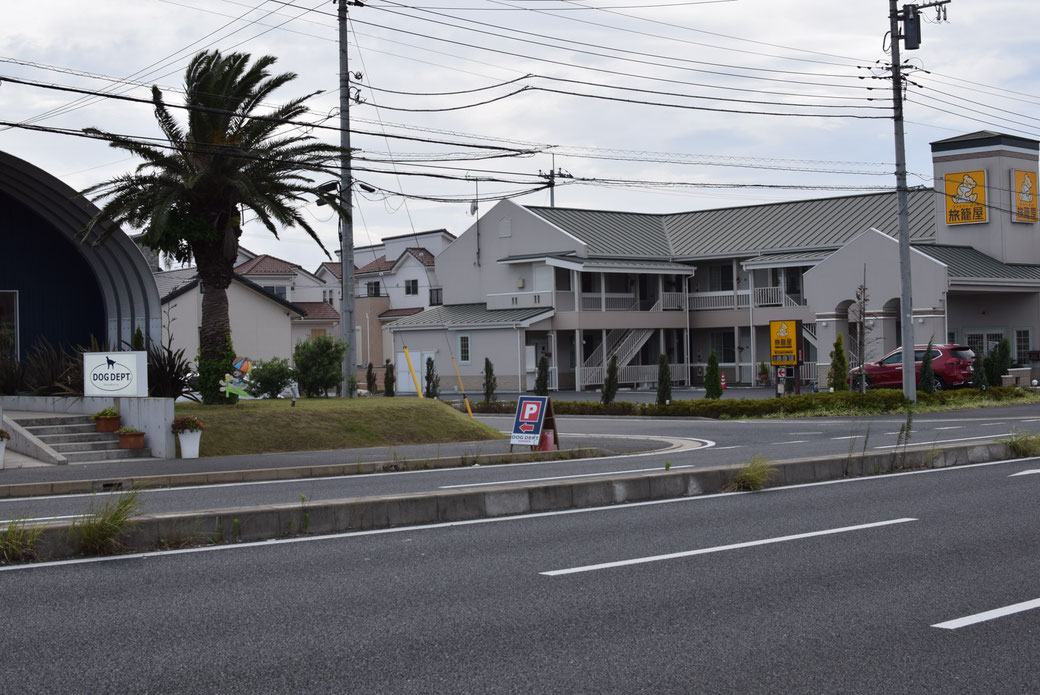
[527,424]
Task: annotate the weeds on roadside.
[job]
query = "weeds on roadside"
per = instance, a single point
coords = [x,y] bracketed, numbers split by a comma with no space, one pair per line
[753,475]
[98,532]
[1022,444]
[18,542]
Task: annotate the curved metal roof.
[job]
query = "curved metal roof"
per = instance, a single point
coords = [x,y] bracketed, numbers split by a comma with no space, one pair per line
[128,290]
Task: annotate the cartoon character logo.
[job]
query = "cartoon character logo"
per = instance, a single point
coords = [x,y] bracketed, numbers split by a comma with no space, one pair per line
[236,383]
[966,191]
[1026,194]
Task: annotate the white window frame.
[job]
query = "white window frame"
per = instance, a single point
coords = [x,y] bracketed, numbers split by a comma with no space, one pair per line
[1014,342]
[459,339]
[411,287]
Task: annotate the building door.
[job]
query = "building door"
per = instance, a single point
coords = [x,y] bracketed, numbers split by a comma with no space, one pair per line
[404,377]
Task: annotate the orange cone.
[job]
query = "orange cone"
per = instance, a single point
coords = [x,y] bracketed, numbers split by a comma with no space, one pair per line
[723,379]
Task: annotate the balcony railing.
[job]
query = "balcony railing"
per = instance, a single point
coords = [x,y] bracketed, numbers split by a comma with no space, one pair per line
[707,301]
[614,302]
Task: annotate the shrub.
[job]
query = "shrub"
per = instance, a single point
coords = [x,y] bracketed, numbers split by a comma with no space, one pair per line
[432,382]
[610,382]
[12,380]
[212,372]
[541,382]
[998,362]
[839,371]
[268,378]
[18,542]
[1022,444]
[100,529]
[664,380]
[370,378]
[319,365]
[978,374]
[168,372]
[389,379]
[137,344]
[754,475]
[104,412]
[490,382]
[712,380]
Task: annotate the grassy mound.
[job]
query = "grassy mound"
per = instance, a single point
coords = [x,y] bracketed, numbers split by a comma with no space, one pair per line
[268,426]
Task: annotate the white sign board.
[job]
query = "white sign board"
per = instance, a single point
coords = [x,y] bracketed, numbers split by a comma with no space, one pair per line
[122,374]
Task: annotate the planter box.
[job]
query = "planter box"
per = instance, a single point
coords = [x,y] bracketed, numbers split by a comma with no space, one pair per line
[189,444]
[107,424]
[131,441]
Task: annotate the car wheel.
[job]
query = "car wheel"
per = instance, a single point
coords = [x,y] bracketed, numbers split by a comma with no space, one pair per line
[937,383]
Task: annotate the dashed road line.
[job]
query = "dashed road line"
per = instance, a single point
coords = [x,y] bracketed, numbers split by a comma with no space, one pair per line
[989,615]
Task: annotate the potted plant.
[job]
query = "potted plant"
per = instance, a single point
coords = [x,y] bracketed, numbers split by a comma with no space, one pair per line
[106,420]
[763,372]
[4,436]
[188,429]
[130,438]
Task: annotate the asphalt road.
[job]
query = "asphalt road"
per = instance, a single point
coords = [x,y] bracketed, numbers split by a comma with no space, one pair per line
[693,443]
[846,587]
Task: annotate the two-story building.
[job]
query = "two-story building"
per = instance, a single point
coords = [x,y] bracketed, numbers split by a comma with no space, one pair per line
[582,285]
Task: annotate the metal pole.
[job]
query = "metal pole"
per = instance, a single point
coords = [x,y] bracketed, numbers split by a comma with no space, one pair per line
[906,300]
[346,224]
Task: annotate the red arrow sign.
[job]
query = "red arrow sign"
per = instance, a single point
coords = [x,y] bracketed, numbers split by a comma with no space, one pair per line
[526,427]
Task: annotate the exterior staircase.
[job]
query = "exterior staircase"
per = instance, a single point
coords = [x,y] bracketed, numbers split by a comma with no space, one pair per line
[75,438]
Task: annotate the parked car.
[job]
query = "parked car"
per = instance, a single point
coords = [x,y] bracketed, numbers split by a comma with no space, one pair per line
[951,365]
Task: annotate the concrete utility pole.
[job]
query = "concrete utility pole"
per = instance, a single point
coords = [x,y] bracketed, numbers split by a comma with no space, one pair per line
[346,225]
[912,22]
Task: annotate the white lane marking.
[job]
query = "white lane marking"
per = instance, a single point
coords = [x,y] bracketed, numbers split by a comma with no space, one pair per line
[734,446]
[1033,472]
[41,518]
[677,443]
[991,424]
[498,519]
[989,615]
[806,433]
[951,427]
[893,432]
[656,469]
[721,548]
[941,441]
[793,441]
[852,436]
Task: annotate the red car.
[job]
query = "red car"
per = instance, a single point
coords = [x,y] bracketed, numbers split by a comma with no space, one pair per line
[951,365]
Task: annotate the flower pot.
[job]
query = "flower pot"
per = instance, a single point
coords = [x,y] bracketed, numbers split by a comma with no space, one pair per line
[131,441]
[107,424]
[189,444]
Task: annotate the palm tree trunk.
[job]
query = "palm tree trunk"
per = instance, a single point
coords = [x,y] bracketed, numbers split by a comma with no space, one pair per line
[215,273]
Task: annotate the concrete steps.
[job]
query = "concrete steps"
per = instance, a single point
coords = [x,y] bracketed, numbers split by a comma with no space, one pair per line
[75,438]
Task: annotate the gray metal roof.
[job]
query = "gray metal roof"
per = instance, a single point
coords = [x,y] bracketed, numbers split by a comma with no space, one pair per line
[964,262]
[169,281]
[612,233]
[825,223]
[774,260]
[477,315]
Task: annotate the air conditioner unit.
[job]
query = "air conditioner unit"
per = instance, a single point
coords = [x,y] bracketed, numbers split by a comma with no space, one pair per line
[520,283]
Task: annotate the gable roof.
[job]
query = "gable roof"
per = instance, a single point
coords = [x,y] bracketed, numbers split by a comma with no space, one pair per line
[419,254]
[472,316]
[317,311]
[823,223]
[267,265]
[174,283]
[379,265]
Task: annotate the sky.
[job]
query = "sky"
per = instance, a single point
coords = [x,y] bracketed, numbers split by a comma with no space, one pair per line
[649,106]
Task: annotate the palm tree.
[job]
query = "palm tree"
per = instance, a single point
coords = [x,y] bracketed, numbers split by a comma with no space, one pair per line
[187,194]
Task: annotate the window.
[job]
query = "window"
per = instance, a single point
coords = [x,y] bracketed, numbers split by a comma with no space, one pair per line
[277,291]
[724,345]
[720,278]
[1022,344]
[9,324]
[411,287]
[436,296]
[463,340]
[505,227]
[372,289]
[895,358]
[977,343]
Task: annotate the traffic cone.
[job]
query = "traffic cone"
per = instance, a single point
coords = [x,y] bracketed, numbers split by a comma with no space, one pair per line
[723,379]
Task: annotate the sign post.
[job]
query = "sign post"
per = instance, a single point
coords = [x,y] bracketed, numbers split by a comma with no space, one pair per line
[532,414]
[784,339]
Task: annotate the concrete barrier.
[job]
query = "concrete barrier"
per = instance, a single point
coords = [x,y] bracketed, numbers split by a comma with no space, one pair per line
[160,531]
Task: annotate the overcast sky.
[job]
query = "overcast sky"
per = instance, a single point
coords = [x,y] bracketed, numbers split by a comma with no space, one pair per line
[609,69]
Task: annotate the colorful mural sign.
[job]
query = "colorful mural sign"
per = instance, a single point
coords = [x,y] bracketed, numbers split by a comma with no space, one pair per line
[966,197]
[236,383]
[1023,196]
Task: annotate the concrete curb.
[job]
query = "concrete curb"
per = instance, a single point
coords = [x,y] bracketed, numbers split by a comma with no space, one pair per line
[71,487]
[358,514]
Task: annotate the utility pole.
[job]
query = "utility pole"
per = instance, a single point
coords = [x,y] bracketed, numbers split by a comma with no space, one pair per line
[551,178]
[912,22]
[346,224]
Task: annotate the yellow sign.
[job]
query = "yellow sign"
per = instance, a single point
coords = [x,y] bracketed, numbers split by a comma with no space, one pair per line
[784,337]
[1023,196]
[966,197]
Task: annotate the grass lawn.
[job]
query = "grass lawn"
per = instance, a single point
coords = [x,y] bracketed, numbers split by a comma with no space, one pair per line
[267,426]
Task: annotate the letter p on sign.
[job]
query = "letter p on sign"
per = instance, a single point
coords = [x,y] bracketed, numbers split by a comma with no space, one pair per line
[530,412]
